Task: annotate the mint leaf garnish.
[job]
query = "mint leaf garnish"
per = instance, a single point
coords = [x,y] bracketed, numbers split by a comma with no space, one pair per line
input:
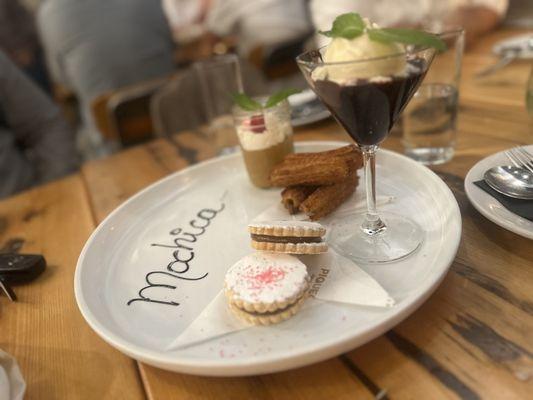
[245,102]
[406,36]
[347,26]
[280,96]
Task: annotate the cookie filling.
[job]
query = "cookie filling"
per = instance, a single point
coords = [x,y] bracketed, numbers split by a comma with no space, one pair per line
[269,313]
[285,239]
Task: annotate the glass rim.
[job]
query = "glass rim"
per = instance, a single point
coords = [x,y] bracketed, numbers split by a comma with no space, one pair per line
[450,31]
[239,112]
[299,59]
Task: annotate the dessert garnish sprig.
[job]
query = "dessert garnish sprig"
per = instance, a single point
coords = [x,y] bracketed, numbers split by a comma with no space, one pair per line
[247,103]
[351,25]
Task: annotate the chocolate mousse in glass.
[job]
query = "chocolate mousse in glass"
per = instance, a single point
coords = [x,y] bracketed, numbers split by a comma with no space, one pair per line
[265,138]
[366,92]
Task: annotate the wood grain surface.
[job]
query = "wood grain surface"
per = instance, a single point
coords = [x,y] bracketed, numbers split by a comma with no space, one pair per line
[59,355]
[471,340]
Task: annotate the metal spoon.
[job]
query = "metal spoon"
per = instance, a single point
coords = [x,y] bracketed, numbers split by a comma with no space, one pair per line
[507,55]
[511,181]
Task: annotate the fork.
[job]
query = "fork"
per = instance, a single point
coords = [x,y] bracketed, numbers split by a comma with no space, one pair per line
[520,157]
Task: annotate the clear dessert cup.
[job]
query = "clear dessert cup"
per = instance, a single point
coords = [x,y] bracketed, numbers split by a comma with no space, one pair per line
[366,96]
[265,138]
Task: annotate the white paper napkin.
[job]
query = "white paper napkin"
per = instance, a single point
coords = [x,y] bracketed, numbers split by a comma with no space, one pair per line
[333,278]
[12,384]
[279,212]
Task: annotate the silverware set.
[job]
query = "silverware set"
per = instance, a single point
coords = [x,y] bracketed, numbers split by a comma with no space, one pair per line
[521,158]
[514,180]
[507,55]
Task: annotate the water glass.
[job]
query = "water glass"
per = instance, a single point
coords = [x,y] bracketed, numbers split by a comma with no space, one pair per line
[529,94]
[429,121]
[218,78]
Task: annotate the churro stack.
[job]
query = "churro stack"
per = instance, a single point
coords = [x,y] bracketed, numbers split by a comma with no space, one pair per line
[317,183]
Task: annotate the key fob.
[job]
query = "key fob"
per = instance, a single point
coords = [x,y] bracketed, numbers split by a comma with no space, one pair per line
[21,268]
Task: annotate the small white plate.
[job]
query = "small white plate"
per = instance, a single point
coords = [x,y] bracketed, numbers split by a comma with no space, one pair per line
[488,205]
[524,44]
[307,108]
[118,257]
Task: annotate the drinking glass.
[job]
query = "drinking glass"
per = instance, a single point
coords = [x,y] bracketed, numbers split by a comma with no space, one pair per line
[265,137]
[529,93]
[366,97]
[218,78]
[429,122]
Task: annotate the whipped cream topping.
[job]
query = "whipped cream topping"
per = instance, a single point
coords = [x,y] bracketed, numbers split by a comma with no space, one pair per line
[276,130]
[267,278]
[358,49]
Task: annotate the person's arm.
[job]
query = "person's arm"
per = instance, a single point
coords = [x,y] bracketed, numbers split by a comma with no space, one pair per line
[36,123]
[476,19]
[18,37]
[51,37]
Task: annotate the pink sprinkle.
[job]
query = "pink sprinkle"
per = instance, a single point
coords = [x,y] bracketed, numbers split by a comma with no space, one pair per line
[271,275]
[221,353]
[343,318]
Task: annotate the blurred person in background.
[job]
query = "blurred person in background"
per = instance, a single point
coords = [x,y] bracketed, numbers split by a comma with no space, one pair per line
[95,46]
[266,34]
[253,22]
[19,40]
[36,144]
[259,22]
[476,16]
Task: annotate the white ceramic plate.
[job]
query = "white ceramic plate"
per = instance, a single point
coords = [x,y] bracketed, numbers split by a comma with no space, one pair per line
[118,256]
[307,108]
[488,205]
[522,42]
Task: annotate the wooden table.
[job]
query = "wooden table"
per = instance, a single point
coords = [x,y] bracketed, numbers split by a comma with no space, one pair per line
[472,339]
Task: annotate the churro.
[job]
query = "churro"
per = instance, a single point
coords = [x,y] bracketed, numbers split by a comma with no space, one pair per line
[310,172]
[326,199]
[293,196]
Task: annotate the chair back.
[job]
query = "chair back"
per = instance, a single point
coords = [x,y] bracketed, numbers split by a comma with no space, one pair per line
[123,115]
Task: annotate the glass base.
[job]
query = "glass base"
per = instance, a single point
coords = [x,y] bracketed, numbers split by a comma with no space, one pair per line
[400,238]
[430,155]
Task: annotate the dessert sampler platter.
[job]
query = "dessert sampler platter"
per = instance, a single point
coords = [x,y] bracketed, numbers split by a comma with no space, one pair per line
[227,269]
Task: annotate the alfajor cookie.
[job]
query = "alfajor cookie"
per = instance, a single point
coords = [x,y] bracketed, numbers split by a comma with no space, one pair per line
[293,237]
[266,288]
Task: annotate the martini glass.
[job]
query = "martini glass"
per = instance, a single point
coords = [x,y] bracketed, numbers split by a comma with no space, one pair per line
[366,99]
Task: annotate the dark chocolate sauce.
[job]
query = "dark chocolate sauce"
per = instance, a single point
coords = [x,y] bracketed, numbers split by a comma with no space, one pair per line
[367,110]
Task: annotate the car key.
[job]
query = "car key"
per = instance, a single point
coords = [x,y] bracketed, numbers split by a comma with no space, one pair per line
[8,290]
[19,268]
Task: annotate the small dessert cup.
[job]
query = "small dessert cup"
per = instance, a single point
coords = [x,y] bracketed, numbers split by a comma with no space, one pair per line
[265,138]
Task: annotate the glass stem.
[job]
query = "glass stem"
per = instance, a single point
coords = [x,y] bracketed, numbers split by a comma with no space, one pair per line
[372,224]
